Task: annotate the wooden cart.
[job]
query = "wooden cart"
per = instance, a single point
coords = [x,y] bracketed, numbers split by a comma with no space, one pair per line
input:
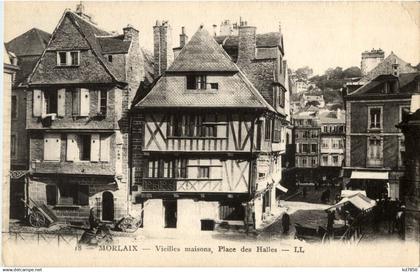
[39,214]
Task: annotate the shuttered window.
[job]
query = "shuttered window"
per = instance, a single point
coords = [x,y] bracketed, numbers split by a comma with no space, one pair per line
[277,131]
[61,102]
[81,102]
[72,153]
[104,148]
[84,102]
[52,147]
[37,103]
[95,145]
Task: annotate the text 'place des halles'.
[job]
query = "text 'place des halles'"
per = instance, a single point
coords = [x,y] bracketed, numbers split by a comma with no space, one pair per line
[209,134]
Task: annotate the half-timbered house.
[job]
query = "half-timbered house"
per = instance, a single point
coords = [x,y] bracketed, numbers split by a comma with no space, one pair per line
[80,91]
[202,142]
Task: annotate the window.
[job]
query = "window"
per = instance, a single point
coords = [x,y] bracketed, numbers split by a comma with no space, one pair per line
[52,147]
[203,172]
[14,107]
[214,86]
[50,102]
[335,160]
[282,97]
[110,58]
[196,82]
[306,134]
[314,148]
[340,144]
[375,118]
[69,194]
[80,102]
[103,96]
[314,161]
[13,146]
[192,126]
[69,58]
[303,161]
[335,143]
[84,147]
[325,160]
[374,157]
[401,148]
[305,148]
[168,168]
[314,134]
[277,131]
[267,133]
[325,143]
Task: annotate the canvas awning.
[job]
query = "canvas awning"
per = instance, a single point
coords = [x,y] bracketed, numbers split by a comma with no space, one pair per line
[359,201]
[369,175]
[282,188]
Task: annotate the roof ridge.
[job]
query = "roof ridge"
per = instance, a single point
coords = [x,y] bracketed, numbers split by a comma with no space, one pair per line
[93,49]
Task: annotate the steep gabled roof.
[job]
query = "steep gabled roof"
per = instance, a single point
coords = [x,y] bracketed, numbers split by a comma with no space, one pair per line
[404,80]
[234,88]
[385,67]
[103,72]
[30,43]
[270,39]
[114,44]
[202,54]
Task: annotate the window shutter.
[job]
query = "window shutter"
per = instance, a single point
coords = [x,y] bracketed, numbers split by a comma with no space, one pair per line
[105,141]
[52,147]
[61,102]
[84,102]
[94,147]
[37,103]
[68,58]
[72,153]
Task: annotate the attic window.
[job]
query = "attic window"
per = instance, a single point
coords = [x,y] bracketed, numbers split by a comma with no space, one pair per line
[110,58]
[196,82]
[68,58]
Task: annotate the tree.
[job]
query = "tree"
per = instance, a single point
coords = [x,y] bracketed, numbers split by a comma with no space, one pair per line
[351,72]
[304,72]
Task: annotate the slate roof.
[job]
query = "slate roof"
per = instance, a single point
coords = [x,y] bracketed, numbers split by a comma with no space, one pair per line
[234,91]
[385,67]
[331,117]
[270,39]
[28,47]
[90,32]
[405,80]
[30,43]
[202,54]
[114,45]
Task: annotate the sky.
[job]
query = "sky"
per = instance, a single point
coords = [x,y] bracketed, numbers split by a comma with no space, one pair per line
[316,34]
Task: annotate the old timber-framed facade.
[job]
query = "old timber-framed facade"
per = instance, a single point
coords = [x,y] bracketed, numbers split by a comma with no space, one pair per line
[206,152]
[79,94]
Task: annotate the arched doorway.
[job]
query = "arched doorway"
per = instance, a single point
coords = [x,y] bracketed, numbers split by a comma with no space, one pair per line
[107,206]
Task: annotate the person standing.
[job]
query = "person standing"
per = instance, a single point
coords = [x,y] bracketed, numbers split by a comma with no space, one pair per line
[285,222]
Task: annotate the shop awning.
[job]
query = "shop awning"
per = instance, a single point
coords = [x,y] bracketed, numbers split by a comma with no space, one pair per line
[369,175]
[359,201]
[282,188]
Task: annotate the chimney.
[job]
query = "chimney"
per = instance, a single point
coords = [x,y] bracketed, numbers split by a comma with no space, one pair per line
[130,33]
[163,55]
[395,70]
[214,30]
[183,38]
[247,42]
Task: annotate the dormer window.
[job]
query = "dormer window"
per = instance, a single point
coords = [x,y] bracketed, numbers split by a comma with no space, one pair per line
[110,58]
[196,82]
[68,58]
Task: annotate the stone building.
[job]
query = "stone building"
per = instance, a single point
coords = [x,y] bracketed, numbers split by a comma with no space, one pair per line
[9,71]
[79,94]
[306,137]
[213,139]
[26,49]
[410,183]
[374,146]
[310,99]
[332,143]
[371,59]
